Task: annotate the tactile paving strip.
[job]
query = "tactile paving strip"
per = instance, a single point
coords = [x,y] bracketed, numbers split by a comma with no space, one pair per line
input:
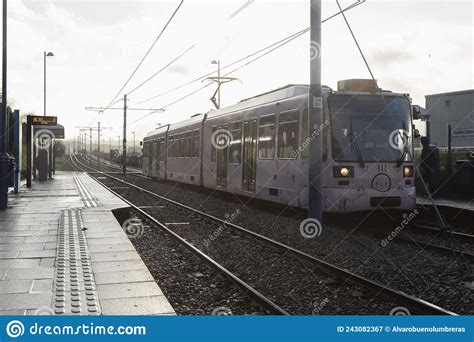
[88,199]
[75,291]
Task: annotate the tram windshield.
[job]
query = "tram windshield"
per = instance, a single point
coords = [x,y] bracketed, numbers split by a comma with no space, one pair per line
[370,128]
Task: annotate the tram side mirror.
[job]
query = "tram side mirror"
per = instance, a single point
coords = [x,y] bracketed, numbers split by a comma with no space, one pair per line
[416,112]
[141,143]
[416,134]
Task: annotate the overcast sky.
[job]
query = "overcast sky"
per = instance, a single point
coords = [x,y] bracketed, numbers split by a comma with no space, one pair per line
[418,47]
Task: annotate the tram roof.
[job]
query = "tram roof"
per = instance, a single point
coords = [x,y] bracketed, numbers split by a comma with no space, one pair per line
[288,91]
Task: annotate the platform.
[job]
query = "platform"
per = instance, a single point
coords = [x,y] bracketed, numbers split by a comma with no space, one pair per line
[63,252]
[462,205]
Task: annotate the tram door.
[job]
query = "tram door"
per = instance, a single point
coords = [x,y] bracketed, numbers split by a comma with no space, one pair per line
[249,165]
[154,157]
[222,160]
[150,157]
[162,154]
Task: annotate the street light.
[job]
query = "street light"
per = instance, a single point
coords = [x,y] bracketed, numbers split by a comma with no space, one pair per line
[45,54]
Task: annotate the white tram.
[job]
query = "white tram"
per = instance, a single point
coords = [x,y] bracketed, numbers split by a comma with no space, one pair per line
[259,148]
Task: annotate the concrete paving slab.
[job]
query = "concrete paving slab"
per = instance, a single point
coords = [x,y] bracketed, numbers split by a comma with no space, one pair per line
[119,247]
[115,256]
[47,262]
[19,263]
[37,254]
[15,286]
[25,301]
[42,286]
[126,290]
[30,273]
[118,277]
[155,305]
[120,265]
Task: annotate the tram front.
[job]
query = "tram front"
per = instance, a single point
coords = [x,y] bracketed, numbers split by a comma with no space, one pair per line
[371,152]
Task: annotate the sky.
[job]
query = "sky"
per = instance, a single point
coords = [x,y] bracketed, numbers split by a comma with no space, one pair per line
[416,47]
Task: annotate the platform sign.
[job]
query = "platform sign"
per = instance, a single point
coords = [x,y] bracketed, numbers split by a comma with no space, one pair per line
[463,133]
[44,120]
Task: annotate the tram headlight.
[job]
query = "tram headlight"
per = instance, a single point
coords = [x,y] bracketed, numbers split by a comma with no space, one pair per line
[408,171]
[343,172]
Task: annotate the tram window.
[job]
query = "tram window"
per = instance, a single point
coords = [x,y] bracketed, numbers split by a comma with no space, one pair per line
[288,135]
[181,145]
[148,150]
[177,146]
[266,137]
[171,146]
[156,150]
[162,149]
[188,145]
[213,149]
[195,144]
[305,140]
[236,143]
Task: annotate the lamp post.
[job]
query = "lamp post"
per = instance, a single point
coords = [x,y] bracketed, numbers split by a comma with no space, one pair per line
[45,54]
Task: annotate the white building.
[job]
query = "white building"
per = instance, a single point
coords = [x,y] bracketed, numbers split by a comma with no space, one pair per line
[455,109]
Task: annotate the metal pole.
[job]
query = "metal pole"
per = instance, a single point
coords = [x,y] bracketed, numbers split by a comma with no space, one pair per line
[50,159]
[134,156]
[90,144]
[53,139]
[44,83]
[4,158]
[98,143]
[315,104]
[450,160]
[29,127]
[219,82]
[16,149]
[124,152]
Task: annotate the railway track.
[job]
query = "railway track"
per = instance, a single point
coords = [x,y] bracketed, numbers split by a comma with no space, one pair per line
[455,234]
[425,228]
[413,304]
[264,301]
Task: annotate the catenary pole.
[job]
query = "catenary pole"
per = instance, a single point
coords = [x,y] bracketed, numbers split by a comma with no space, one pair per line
[315,104]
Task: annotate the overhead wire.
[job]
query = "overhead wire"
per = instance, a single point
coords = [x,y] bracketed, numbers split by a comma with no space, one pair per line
[161,70]
[273,46]
[142,60]
[294,36]
[235,13]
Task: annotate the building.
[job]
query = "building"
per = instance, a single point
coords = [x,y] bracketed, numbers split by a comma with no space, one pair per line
[455,109]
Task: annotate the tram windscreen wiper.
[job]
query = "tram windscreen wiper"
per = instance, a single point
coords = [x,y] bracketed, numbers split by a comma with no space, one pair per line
[405,147]
[402,157]
[355,145]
